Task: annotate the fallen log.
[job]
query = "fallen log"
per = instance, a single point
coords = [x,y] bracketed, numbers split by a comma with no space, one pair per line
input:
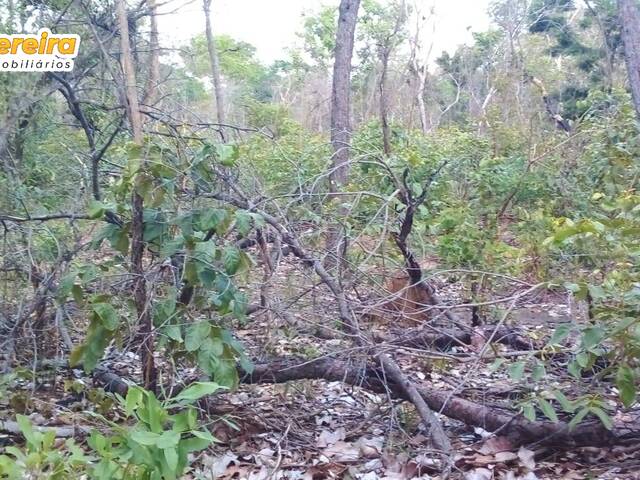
[67,431]
[520,430]
[447,339]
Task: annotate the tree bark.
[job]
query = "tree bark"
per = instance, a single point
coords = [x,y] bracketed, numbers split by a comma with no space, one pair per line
[629,18]
[126,59]
[341,119]
[341,92]
[151,89]
[384,106]
[145,326]
[215,66]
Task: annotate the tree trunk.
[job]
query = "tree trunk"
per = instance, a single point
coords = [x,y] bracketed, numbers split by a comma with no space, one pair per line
[215,65]
[145,326]
[629,18]
[126,59]
[340,116]
[384,107]
[151,89]
[341,92]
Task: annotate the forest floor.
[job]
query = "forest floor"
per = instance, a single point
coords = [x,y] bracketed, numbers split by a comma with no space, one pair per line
[313,429]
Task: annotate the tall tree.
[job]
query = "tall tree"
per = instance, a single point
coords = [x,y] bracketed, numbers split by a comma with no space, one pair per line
[215,64]
[341,103]
[384,25]
[151,89]
[418,59]
[126,59]
[145,325]
[629,17]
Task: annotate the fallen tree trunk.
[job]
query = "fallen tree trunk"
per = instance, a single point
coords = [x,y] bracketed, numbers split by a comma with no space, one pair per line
[67,431]
[445,340]
[514,426]
[371,377]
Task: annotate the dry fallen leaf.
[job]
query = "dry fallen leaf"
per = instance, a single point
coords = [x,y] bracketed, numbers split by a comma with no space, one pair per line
[503,457]
[495,445]
[479,474]
[370,447]
[342,452]
[526,457]
[328,438]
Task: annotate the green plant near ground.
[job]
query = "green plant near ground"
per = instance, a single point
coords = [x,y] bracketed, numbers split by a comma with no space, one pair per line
[41,457]
[154,444]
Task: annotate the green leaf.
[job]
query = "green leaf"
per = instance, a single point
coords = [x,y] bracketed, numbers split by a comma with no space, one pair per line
[538,372]
[596,292]
[185,420]
[145,437]
[243,222]
[196,391]
[171,457]
[194,444]
[107,314]
[204,435]
[227,154]
[565,403]
[547,409]
[592,336]
[626,383]
[529,412]
[173,332]
[168,439]
[560,333]
[171,247]
[96,209]
[575,421]
[603,416]
[196,334]
[516,371]
[497,363]
[214,218]
[134,397]
[27,429]
[226,374]
[574,369]
[77,293]
[231,259]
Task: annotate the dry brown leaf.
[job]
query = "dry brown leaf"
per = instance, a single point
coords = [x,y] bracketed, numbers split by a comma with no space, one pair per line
[526,457]
[370,447]
[328,438]
[342,452]
[495,445]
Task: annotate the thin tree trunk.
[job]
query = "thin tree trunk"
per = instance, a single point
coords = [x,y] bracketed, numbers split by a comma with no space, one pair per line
[629,18]
[215,66]
[151,89]
[145,326]
[384,107]
[341,116]
[385,53]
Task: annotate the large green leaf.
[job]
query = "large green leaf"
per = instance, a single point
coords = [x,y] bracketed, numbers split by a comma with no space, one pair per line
[196,391]
[626,383]
[196,334]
